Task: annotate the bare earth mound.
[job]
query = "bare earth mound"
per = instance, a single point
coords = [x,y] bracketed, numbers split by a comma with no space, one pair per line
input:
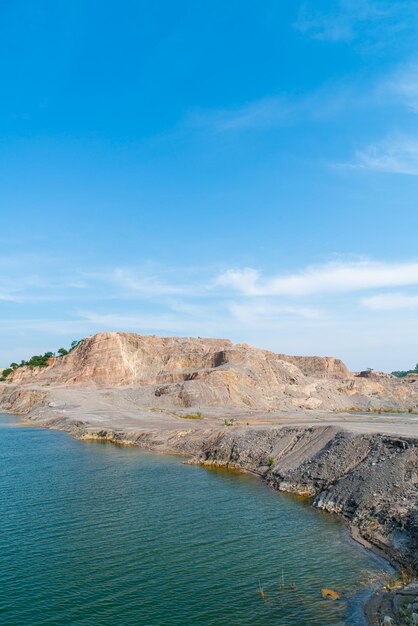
[188,372]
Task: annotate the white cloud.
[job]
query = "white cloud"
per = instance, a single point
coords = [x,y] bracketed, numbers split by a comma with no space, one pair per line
[398,156]
[162,283]
[328,278]
[134,321]
[255,314]
[166,322]
[141,285]
[288,312]
[245,280]
[391,302]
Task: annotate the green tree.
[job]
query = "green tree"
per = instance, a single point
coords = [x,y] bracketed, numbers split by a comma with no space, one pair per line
[14,365]
[62,351]
[5,373]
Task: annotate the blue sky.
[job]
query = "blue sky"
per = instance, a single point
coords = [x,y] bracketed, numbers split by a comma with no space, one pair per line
[236,169]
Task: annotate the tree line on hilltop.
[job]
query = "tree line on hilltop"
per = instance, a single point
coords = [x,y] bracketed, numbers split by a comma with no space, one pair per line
[38,360]
[401,373]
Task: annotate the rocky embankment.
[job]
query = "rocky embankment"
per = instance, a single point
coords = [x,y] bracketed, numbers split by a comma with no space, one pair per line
[370,481]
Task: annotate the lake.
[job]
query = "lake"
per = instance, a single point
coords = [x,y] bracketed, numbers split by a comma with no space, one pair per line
[95,534]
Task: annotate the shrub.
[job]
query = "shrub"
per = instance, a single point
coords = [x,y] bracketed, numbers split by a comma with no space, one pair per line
[39,360]
[5,373]
[192,416]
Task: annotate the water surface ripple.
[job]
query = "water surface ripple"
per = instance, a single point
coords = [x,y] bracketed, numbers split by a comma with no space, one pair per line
[97,535]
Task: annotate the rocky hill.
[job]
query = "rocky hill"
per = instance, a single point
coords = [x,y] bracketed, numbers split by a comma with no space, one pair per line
[186,372]
[279,416]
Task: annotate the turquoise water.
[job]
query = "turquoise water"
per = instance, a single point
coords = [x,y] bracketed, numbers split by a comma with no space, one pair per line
[94,534]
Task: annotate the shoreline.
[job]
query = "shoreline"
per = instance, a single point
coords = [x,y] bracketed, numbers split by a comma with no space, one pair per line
[143,441]
[216,447]
[358,466]
[251,488]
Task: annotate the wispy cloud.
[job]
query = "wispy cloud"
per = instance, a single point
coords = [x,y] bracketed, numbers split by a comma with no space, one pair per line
[25,289]
[303,311]
[391,302]
[264,314]
[47,325]
[375,21]
[337,26]
[397,153]
[212,322]
[210,319]
[262,113]
[397,88]
[328,278]
[28,278]
[9,297]
[279,110]
[402,86]
[397,156]
[165,322]
[142,284]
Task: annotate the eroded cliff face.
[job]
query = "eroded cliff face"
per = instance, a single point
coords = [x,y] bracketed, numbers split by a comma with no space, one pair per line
[187,372]
[114,359]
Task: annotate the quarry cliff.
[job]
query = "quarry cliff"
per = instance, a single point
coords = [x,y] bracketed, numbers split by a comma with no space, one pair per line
[186,372]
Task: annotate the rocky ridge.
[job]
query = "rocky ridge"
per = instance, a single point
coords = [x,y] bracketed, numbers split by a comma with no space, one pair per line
[188,372]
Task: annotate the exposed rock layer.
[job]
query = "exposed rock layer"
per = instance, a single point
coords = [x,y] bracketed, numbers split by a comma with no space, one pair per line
[186,372]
